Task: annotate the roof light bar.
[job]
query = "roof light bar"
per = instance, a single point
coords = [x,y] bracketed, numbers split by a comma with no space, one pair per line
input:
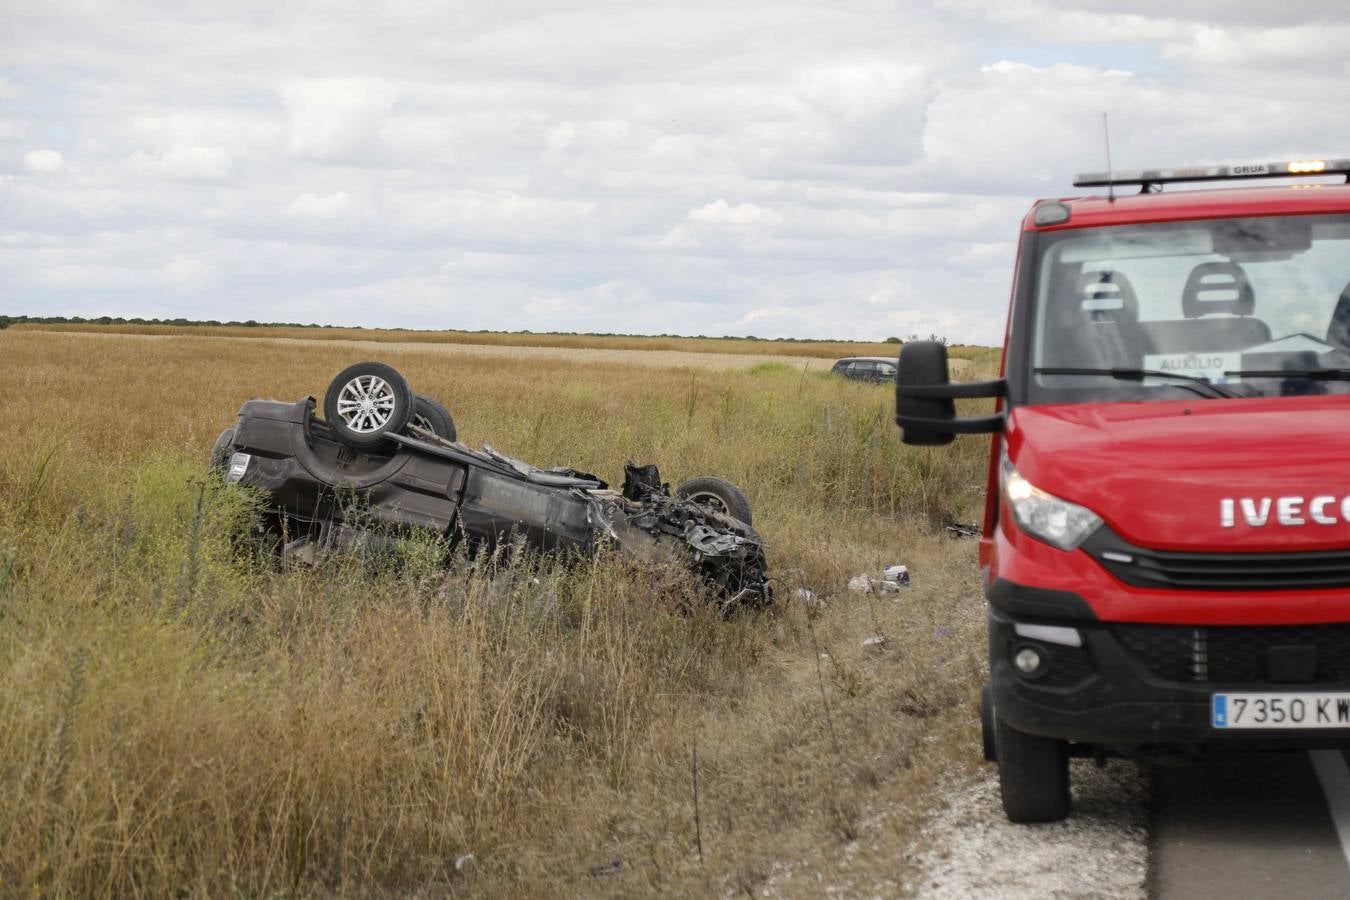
[1291,169]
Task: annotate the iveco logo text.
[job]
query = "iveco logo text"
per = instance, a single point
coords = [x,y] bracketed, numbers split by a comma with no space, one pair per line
[1326,510]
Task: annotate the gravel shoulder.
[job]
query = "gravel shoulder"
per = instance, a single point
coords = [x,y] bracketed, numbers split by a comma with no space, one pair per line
[967,850]
[970,850]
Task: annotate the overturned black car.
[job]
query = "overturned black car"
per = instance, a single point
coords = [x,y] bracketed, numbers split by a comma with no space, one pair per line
[383,459]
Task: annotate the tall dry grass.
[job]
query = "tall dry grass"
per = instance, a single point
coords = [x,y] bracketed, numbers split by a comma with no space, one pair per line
[183,717]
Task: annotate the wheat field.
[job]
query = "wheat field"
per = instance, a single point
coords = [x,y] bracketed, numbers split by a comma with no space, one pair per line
[183,716]
[654,343]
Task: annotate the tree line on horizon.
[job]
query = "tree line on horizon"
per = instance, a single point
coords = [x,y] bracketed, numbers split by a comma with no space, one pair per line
[6,321]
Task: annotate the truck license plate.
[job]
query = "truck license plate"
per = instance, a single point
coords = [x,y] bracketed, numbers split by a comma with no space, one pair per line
[1306,710]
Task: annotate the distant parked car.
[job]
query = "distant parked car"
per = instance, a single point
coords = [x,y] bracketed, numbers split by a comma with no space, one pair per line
[866,368]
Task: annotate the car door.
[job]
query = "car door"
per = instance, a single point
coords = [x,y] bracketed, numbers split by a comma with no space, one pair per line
[863,371]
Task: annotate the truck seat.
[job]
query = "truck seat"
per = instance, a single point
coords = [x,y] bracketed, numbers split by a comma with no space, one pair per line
[1102,329]
[1218,287]
[1217,302]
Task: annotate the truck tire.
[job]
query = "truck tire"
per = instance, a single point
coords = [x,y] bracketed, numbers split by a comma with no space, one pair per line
[432,416]
[1033,774]
[366,403]
[717,494]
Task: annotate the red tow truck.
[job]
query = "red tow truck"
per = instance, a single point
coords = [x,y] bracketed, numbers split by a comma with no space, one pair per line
[1166,540]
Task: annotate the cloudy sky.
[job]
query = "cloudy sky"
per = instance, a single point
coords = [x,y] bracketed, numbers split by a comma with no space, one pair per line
[840,169]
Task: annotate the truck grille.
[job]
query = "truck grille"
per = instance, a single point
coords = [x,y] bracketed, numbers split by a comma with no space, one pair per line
[1239,653]
[1069,666]
[1219,571]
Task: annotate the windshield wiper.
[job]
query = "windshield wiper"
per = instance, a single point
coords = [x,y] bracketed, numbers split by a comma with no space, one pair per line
[1310,374]
[1198,384]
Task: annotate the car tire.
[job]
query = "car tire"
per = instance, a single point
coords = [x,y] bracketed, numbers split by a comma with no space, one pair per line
[718,494]
[1033,774]
[429,414]
[366,403]
[220,450]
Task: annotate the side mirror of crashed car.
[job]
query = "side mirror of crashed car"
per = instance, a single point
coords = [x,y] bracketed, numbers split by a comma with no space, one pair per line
[924,398]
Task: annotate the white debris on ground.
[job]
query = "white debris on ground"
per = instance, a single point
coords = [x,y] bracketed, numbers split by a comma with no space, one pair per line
[808,598]
[892,580]
[875,645]
[897,575]
[1100,851]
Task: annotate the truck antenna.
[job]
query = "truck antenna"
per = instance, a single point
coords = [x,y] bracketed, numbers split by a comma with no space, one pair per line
[1110,185]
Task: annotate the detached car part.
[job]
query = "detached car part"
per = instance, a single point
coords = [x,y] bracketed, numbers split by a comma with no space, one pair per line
[385,460]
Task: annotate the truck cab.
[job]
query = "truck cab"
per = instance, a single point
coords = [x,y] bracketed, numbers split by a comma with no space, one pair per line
[1166,539]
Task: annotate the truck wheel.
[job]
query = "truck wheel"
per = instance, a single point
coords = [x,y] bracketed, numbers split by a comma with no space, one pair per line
[367,402]
[1033,775]
[717,494]
[987,723]
[430,415]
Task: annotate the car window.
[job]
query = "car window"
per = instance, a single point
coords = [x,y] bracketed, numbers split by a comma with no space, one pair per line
[886,370]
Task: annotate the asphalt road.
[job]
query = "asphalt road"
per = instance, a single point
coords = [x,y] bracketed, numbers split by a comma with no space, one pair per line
[1252,825]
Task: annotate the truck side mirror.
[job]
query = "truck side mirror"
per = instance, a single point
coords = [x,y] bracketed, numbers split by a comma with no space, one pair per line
[924,398]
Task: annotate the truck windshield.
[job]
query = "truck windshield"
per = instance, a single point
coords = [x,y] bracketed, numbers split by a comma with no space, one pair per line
[1218,308]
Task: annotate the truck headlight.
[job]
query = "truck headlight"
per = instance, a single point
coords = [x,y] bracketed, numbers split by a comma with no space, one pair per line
[1044,516]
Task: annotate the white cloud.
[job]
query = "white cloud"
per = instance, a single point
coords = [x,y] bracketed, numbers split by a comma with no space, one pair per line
[1225,12]
[185,273]
[1013,121]
[335,118]
[44,162]
[314,206]
[186,163]
[1299,46]
[12,129]
[719,212]
[786,167]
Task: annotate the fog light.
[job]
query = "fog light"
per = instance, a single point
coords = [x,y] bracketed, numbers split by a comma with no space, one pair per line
[1027,660]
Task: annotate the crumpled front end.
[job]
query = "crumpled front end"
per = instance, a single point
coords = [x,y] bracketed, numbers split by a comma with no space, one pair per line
[649,524]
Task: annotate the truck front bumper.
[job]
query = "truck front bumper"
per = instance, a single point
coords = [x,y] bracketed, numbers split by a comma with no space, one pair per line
[1133,687]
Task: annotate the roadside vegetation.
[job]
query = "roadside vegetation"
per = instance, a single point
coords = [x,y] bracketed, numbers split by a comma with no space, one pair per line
[184,716]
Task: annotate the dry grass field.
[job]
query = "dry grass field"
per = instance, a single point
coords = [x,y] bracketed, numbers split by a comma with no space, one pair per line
[182,718]
[820,349]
